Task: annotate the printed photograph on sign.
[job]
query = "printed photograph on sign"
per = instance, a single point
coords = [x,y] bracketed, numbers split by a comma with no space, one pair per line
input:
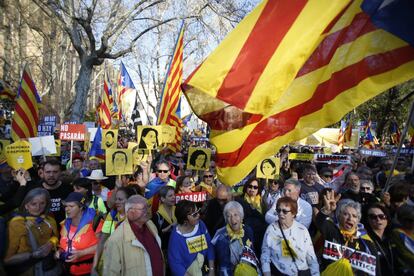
[3,145]
[138,155]
[58,144]
[268,168]
[148,137]
[167,134]
[118,161]
[198,159]
[44,145]
[109,138]
[19,155]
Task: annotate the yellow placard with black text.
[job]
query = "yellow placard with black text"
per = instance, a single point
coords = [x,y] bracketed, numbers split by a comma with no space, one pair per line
[19,155]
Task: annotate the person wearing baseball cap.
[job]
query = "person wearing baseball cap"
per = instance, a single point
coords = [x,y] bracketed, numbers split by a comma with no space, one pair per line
[79,235]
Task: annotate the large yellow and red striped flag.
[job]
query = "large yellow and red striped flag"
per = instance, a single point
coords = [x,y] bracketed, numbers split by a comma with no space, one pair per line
[106,106]
[169,107]
[26,112]
[256,109]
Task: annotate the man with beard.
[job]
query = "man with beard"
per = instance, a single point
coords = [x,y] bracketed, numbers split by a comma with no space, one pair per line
[58,191]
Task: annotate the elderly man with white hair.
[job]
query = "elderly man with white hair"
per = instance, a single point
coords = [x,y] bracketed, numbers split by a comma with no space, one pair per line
[230,240]
[135,246]
[292,189]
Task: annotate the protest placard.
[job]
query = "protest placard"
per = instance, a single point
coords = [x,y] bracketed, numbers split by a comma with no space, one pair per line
[167,134]
[138,155]
[194,197]
[19,155]
[198,159]
[332,159]
[149,137]
[359,260]
[58,144]
[44,145]
[301,156]
[118,161]
[109,139]
[72,132]
[372,152]
[268,168]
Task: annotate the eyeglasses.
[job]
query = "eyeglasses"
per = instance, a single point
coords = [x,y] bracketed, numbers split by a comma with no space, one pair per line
[328,175]
[284,211]
[162,171]
[365,188]
[195,214]
[253,187]
[375,217]
[207,176]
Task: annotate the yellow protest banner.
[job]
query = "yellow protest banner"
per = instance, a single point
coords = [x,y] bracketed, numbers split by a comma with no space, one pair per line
[87,142]
[148,137]
[118,161]
[198,159]
[138,155]
[268,168]
[3,145]
[19,155]
[301,156]
[109,139]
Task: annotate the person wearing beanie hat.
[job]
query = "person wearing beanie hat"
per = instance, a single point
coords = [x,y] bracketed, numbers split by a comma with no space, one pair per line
[79,235]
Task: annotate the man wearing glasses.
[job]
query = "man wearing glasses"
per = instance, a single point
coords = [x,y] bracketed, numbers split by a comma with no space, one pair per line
[292,189]
[214,218]
[135,245]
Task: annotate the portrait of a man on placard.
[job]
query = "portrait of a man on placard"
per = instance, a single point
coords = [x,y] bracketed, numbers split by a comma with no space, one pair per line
[118,161]
[109,138]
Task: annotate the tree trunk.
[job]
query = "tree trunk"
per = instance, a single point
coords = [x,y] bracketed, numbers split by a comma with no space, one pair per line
[83,83]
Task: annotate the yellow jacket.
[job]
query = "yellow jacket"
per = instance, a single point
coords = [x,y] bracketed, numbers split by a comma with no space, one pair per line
[125,255]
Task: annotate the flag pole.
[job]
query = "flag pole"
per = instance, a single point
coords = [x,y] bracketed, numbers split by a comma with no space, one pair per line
[394,164]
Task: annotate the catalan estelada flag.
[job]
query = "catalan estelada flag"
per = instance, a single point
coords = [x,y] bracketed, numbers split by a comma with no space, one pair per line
[169,107]
[245,90]
[106,106]
[96,151]
[369,140]
[26,112]
[125,86]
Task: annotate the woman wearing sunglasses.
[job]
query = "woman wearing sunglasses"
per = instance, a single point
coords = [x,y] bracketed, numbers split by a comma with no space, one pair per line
[378,226]
[287,246]
[190,243]
[251,201]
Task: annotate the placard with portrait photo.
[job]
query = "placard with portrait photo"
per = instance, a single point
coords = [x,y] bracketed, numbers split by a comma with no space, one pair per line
[109,139]
[167,134]
[198,159]
[118,161]
[268,168]
[149,137]
[138,155]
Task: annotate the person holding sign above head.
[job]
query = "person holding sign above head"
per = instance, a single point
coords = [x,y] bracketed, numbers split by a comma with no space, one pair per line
[149,139]
[190,242]
[287,246]
[347,237]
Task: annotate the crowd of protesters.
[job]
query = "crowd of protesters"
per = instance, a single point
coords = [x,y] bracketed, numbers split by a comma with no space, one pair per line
[76,220]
